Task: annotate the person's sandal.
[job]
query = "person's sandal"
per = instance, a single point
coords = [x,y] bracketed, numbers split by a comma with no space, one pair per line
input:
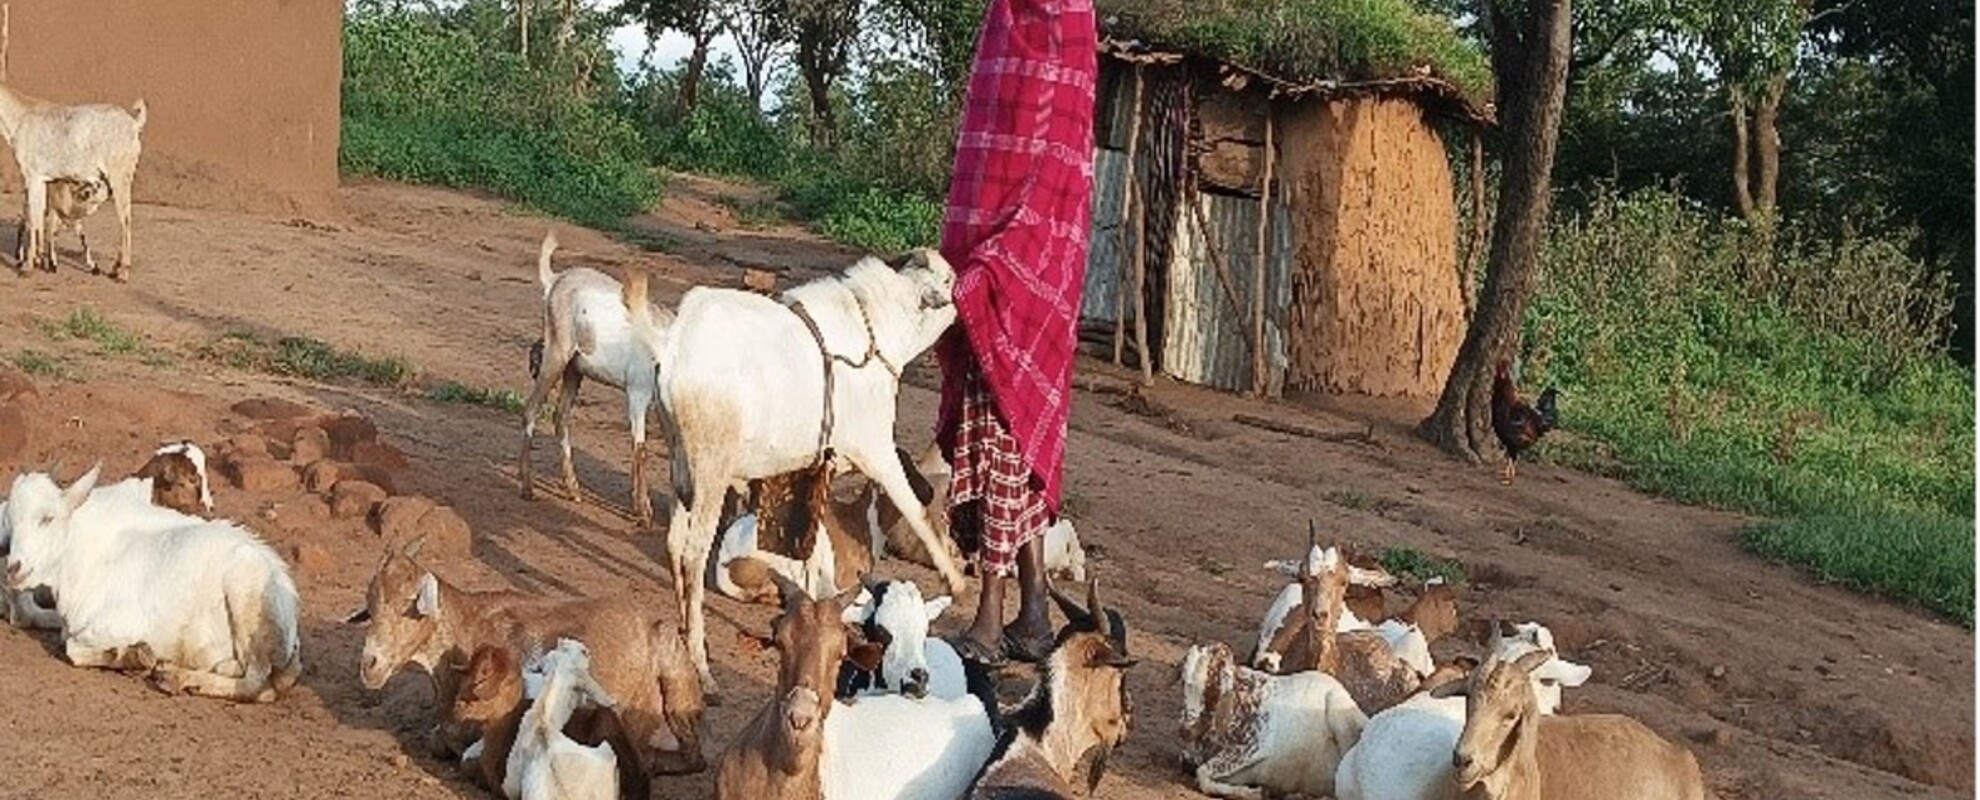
[1027,651]
[971,650]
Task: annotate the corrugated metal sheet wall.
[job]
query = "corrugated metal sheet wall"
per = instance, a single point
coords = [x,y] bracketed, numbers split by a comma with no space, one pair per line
[1208,337]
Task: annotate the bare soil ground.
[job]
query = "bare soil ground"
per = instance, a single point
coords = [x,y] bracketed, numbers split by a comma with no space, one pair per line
[1784,688]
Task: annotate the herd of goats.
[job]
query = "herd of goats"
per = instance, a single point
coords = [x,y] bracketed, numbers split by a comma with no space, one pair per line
[770,397]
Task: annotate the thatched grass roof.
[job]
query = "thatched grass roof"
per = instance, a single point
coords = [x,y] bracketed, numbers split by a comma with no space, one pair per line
[1308,41]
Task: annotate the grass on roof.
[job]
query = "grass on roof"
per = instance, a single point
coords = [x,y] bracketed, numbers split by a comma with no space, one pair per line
[1305,40]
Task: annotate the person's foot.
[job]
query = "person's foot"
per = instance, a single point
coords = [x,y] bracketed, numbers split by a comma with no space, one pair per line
[1027,642]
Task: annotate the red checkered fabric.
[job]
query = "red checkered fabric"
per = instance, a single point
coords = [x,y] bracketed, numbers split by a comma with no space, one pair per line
[1016,229]
[991,483]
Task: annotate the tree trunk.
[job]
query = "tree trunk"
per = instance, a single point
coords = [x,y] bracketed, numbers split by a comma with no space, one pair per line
[522,26]
[691,77]
[1475,250]
[1530,65]
[1767,142]
[1742,187]
[566,26]
[819,85]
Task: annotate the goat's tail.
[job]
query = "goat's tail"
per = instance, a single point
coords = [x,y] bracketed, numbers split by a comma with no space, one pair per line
[138,111]
[543,274]
[635,293]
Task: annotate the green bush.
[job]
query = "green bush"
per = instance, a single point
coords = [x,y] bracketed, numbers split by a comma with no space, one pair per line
[427,100]
[1775,372]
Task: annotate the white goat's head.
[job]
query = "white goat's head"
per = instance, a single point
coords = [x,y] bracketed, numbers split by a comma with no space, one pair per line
[1065,551]
[568,668]
[1511,642]
[928,286]
[892,614]
[38,512]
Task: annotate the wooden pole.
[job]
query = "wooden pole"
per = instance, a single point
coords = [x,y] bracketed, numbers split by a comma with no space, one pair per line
[1476,250]
[1141,276]
[6,32]
[1259,377]
[522,25]
[1130,196]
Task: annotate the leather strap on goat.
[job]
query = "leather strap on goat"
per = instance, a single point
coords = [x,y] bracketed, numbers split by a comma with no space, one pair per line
[826,357]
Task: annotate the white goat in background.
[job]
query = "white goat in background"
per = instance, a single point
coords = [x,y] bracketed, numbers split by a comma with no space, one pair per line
[545,764]
[81,143]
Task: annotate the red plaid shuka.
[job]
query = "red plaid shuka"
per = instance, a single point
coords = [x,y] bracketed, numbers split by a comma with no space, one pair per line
[1016,231]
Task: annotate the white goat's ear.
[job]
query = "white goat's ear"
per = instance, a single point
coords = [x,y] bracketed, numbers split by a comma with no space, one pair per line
[1563,672]
[855,612]
[1377,578]
[428,602]
[73,497]
[936,606]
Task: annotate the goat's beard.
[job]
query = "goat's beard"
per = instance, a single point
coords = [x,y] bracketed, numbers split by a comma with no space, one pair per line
[1094,762]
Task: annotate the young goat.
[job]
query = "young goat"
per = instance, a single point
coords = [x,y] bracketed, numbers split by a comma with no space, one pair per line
[1078,712]
[893,615]
[414,618]
[68,203]
[593,328]
[82,143]
[1404,752]
[544,763]
[495,692]
[1250,733]
[1325,577]
[1379,666]
[1065,559]
[203,605]
[822,376]
[795,528]
[778,753]
[1510,751]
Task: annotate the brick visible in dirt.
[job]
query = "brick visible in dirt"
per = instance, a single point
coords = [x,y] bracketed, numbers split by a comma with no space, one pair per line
[16,385]
[346,433]
[309,445]
[309,557]
[323,474]
[266,408]
[259,473]
[351,498]
[397,519]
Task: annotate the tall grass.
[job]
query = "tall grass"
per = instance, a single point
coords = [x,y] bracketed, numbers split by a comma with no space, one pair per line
[1778,372]
[431,97]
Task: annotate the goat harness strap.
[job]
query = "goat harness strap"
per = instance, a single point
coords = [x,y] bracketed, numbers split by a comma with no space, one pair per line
[826,356]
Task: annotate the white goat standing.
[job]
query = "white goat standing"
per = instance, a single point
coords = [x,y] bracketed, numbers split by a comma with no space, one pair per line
[69,202]
[749,391]
[204,604]
[544,763]
[593,328]
[81,143]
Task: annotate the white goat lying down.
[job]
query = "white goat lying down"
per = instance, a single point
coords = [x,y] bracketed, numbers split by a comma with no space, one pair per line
[593,328]
[894,747]
[545,764]
[893,615]
[1405,752]
[753,387]
[205,605]
[1250,733]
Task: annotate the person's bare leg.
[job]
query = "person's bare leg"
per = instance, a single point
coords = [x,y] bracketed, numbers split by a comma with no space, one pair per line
[987,631]
[1033,622]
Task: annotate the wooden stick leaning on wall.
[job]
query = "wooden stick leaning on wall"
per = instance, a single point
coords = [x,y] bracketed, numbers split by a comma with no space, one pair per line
[1129,197]
[1141,268]
[1479,225]
[1259,379]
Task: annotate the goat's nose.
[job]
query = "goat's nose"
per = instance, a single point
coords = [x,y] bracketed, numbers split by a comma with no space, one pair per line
[1460,761]
[13,570]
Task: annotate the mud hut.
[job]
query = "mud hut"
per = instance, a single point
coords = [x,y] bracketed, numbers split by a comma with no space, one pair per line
[1291,222]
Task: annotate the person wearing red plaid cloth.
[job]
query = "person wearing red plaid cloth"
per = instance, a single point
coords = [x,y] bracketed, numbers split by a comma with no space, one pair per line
[1016,230]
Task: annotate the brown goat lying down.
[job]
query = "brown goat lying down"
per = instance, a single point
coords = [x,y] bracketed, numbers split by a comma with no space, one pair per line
[178,478]
[415,618]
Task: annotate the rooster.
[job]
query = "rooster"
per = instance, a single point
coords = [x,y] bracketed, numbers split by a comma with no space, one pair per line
[1518,424]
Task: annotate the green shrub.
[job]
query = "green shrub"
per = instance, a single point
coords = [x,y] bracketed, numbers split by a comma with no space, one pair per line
[1776,372]
[426,100]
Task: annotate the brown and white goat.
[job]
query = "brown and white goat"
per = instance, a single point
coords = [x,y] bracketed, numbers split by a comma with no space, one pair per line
[1365,661]
[177,471]
[777,754]
[1510,751]
[593,328]
[415,618]
[788,511]
[492,697]
[1076,715]
[68,203]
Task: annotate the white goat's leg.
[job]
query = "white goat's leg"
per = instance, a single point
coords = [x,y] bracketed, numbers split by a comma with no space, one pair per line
[132,657]
[567,392]
[638,400]
[120,193]
[89,258]
[546,380]
[884,468]
[1207,783]
[252,688]
[37,211]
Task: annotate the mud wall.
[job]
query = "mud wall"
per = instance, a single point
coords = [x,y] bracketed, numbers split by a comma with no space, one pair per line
[1376,305]
[242,95]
